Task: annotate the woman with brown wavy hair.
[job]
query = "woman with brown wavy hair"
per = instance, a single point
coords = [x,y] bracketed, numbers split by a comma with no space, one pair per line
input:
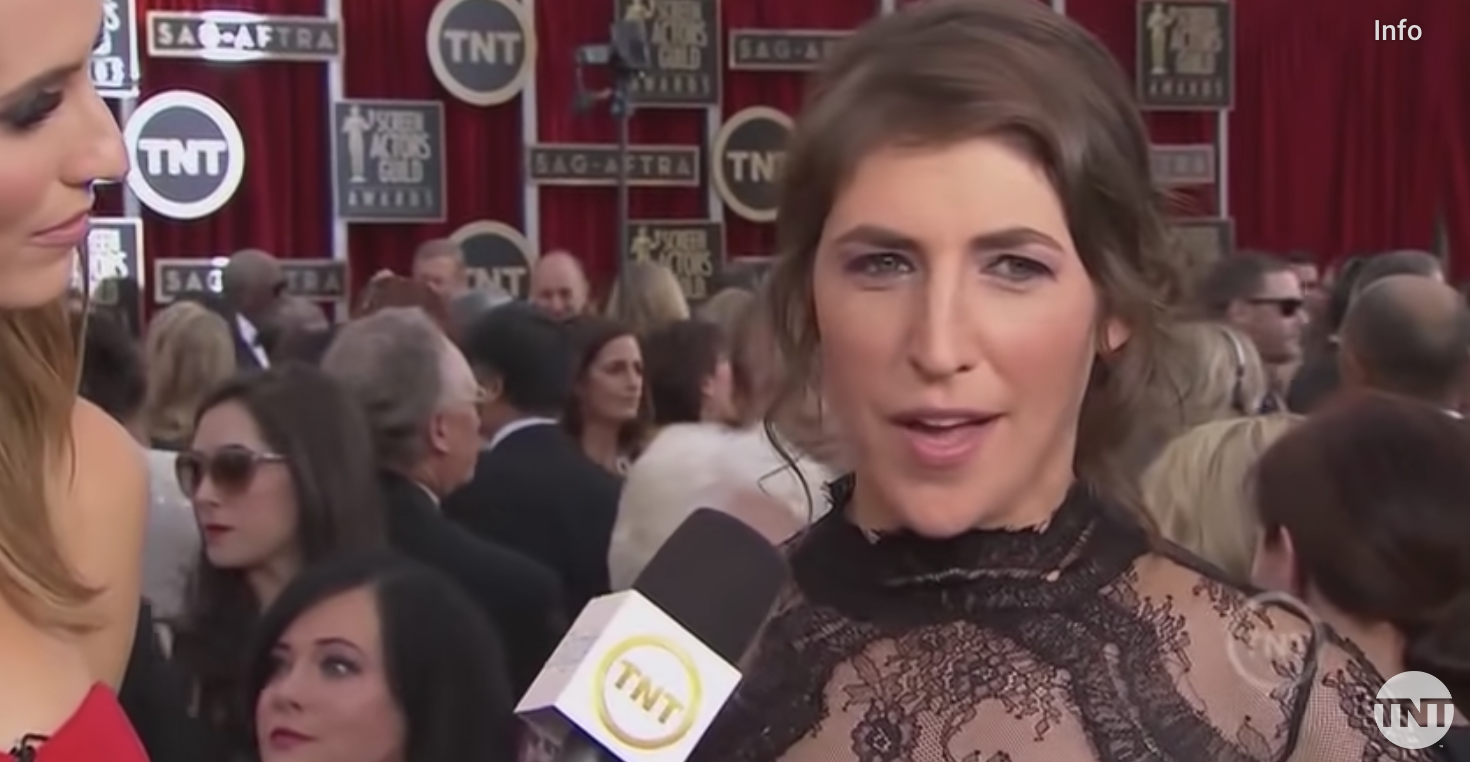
[973,269]
[1363,518]
[73,490]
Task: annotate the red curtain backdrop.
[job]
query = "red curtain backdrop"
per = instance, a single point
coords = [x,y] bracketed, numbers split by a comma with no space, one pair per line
[1451,128]
[1335,149]
[387,58]
[1338,144]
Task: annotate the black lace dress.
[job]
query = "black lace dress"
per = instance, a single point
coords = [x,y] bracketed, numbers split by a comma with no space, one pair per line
[1069,644]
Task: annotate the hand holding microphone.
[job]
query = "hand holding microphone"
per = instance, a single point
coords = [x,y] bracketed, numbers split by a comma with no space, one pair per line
[642,673]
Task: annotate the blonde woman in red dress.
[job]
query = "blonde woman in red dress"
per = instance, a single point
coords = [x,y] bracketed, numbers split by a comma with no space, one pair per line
[73,489]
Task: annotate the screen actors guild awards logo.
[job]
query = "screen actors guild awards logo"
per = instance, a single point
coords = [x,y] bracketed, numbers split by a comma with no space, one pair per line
[1186,54]
[388,160]
[693,250]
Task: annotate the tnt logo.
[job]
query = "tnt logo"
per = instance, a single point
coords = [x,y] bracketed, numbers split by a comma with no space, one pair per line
[649,693]
[1414,710]
[498,256]
[481,51]
[749,153]
[173,157]
[188,156]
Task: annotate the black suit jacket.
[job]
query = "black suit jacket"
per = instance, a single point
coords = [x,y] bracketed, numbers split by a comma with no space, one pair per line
[522,599]
[154,696]
[536,492]
[245,358]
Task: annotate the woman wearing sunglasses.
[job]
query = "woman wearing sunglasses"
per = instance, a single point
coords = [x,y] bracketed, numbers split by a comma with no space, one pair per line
[280,475]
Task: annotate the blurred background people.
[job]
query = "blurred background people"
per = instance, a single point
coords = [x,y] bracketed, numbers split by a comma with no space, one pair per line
[251,287]
[279,471]
[559,286]
[1260,296]
[687,370]
[1197,490]
[534,488]
[421,398]
[1320,377]
[439,265]
[1408,335]
[609,413]
[391,291]
[189,352]
[646,296]
[726,308]
[467,308]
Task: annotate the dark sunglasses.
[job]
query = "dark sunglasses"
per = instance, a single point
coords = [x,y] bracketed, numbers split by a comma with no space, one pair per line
[278,288]
[1287,306]
[231,468]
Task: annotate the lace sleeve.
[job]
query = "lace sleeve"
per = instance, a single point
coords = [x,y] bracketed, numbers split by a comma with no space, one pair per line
[1337,717]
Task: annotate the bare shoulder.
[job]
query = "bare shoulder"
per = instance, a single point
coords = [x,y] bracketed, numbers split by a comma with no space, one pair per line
[100,523]
[108,478]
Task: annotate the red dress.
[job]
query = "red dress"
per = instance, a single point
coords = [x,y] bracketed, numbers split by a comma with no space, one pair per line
[97,731]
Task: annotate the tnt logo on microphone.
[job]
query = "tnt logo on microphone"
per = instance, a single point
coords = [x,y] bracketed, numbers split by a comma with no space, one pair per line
[188,156]
[1414,710]
[648,692]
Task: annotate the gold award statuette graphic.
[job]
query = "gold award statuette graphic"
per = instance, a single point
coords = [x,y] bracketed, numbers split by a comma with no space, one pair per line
[648,692]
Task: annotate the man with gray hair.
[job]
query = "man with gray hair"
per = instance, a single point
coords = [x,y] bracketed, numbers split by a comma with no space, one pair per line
[421,400]
[439,264]
[251,286]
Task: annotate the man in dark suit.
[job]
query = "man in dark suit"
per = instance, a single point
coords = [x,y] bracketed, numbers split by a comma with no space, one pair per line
[534,490]
[251,287]
[420,397]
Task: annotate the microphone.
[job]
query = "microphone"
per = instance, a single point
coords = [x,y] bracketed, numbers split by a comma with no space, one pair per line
[642,673]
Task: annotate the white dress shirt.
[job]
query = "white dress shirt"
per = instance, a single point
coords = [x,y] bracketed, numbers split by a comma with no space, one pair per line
[514,426]
[251,336]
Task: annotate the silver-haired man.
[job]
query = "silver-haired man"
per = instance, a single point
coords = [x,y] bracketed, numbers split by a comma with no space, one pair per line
[421,398]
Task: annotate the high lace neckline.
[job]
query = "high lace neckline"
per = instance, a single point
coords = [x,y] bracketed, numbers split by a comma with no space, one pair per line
[1086,545]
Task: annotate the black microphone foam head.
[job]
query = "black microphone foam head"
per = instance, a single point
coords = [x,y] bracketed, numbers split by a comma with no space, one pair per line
[718,578]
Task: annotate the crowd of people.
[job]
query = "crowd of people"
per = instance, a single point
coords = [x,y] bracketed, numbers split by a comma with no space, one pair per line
[1044,494]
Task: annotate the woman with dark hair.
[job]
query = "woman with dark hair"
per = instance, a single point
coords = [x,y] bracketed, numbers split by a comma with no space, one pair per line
[687,368]
[609,413]
[372,657]
[281,475]
[974,270]
[1363,515]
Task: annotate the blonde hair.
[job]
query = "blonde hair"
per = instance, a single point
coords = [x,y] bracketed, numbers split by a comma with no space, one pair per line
[40,366]
[1223,378]
[727,309]
[652,300]
[189,351]
[1197,493]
